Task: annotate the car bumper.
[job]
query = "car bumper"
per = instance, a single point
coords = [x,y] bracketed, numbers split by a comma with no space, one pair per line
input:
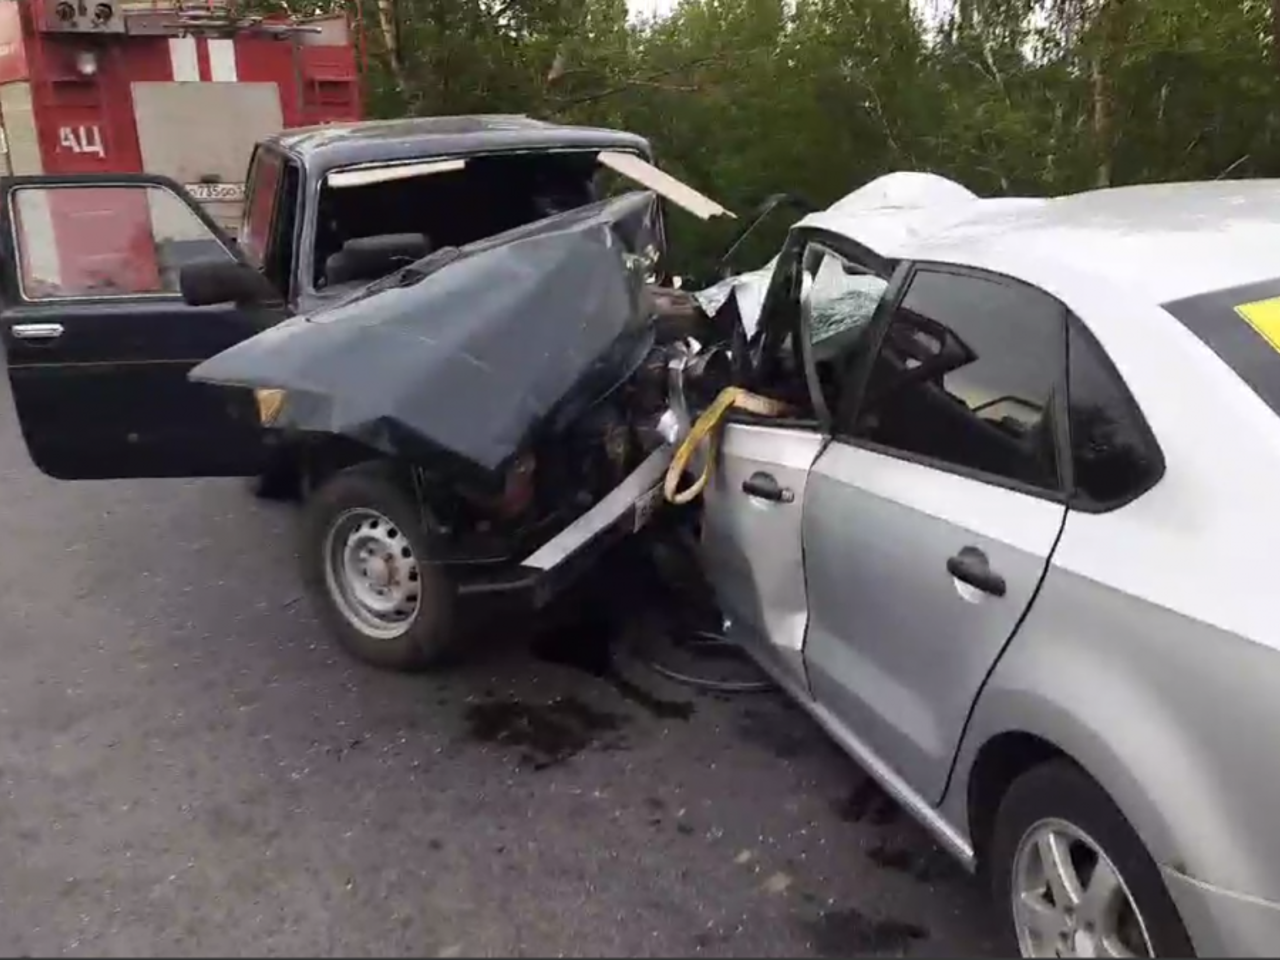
[1223,923]
[547,572]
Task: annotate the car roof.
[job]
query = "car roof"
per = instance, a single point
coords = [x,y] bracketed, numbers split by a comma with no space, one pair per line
[1162,242]
[323,148]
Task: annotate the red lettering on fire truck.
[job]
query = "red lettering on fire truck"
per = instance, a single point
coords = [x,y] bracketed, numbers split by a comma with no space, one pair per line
[86,138]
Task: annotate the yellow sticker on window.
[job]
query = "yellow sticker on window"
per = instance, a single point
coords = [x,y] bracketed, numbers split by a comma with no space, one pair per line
[1263,316]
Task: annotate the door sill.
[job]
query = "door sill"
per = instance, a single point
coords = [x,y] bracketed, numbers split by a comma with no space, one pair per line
[948,836]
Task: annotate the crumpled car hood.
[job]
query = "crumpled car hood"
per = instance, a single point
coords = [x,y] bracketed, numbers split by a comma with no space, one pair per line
[889,194]
[500,339]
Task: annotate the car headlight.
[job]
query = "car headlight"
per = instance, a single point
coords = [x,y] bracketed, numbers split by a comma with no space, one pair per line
[270,403]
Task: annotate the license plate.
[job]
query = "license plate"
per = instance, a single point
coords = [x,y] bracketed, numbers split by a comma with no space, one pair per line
[215,191]
[645,508]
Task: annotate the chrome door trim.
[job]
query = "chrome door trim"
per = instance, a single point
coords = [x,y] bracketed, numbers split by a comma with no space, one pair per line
[36,331]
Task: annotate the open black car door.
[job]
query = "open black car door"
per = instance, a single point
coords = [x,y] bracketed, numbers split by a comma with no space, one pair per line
[98,339]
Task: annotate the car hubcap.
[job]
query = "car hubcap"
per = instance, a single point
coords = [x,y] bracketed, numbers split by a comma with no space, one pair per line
[372,573]
[1070,901]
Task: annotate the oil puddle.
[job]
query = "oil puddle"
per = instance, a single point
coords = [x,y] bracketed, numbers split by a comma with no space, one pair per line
[544,734]
[924,866]
[848,933]
[776,732]
[588,644]
[867,802]
[659,707]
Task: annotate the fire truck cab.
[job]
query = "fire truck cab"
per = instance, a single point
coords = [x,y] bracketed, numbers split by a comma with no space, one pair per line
[169,87]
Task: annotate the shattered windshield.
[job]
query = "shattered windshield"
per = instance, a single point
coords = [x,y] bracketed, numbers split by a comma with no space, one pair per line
[446,202]
[420,270]
[842,300]
[452,202]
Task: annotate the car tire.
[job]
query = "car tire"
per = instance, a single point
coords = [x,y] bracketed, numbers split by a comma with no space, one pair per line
[363,511]
[1056,812]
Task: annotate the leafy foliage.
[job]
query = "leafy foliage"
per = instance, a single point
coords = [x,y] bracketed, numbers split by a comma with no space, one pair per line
[745,98]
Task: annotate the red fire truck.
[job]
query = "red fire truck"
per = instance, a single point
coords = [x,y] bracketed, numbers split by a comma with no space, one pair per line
[115,87]
[170,87]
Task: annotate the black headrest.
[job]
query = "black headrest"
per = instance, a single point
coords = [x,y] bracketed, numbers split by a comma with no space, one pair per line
[368,258]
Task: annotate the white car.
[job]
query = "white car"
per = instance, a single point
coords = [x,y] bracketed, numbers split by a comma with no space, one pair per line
[1013,551]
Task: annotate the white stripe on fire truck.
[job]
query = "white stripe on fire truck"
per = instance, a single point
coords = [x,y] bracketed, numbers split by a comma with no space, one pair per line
[183,59]
[222,61]
[38,238]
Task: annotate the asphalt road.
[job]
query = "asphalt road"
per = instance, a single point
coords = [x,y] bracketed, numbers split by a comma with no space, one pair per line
[187,766]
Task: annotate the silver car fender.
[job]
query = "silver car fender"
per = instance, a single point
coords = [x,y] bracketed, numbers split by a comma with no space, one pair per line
[1174,718]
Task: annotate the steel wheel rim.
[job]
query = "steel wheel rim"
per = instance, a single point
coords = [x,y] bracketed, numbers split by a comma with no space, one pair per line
[372,573]
[1069,900]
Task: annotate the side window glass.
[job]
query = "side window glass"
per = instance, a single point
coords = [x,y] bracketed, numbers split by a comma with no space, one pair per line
[109,241]
[967,374]
[842,297]
[1114,457]
[280,251]
[259,206]
[831,299]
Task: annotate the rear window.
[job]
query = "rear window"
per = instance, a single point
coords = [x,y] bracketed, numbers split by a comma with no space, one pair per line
[1242,326]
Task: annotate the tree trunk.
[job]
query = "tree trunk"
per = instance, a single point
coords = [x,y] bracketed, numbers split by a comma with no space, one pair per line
[1102,119]
[1275,36]
[389,26]
[1108,47]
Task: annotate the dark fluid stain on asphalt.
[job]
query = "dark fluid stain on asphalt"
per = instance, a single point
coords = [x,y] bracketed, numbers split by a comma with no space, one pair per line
[868,801]
[346,748]
[547,734]
[926,866]
[587,644]
[660,707]
[706,940]
[848,933]
[766,732]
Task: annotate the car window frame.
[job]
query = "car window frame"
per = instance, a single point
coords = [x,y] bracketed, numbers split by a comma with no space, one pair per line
[260,153]
[1077,324]
[314,176]
[283,247]
[14,247]
[855,393]
[778,318]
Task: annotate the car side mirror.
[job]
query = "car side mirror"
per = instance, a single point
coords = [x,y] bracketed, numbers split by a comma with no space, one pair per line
[208,282]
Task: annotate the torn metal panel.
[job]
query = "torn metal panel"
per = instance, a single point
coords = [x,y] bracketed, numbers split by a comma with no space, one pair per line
[662,183]
[469,353]
[748,288]
[640,492]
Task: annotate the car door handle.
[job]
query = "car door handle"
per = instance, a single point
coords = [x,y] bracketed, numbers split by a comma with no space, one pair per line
[765,486]
[971,566]
[36,331]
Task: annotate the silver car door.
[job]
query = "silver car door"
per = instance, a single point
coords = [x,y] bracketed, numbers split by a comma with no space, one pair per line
[754,504]
[751,540]
[930,521]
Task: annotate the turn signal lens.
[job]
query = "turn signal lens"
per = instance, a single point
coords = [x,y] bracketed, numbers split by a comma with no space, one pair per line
[270,402]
